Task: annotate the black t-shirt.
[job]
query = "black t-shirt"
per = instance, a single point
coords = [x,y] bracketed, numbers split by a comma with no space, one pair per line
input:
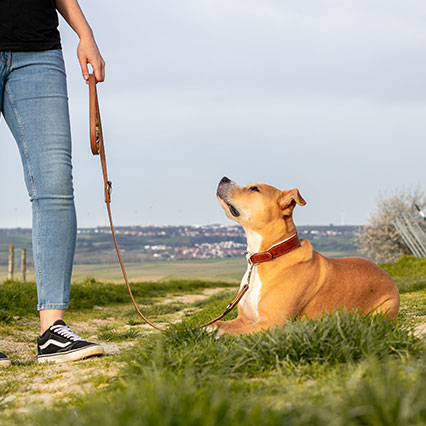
[29,25]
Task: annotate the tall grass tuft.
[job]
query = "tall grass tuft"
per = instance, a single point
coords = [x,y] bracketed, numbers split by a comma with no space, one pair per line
[333,339]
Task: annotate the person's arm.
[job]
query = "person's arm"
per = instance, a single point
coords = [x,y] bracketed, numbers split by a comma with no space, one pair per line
[87,51]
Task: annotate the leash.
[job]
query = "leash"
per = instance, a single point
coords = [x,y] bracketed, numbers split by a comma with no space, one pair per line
[98,148]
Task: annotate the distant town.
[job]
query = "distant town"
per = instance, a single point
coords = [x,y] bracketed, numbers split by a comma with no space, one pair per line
[207,241]
[157,243]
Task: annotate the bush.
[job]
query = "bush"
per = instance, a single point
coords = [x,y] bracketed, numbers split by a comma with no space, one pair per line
[379,239]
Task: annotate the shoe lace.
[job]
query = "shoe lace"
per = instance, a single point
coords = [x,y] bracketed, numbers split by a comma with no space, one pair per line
[65,331]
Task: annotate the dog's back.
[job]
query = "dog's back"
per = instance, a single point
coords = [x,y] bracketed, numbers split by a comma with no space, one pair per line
[353,283]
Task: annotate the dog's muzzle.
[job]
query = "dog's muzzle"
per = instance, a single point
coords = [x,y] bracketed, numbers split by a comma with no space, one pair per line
[224,191]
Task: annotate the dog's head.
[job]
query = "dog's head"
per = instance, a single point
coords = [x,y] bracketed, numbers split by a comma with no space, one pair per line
[257,206]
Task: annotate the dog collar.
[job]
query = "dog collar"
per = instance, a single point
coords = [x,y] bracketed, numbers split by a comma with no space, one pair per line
[275,251]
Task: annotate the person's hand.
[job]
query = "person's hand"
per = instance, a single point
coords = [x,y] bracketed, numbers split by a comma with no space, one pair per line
[88,53]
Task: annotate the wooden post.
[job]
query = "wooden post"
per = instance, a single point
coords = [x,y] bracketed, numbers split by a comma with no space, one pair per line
[11,253]
[24,264]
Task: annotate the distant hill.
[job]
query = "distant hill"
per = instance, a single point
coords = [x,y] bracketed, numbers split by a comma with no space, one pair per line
[156,243]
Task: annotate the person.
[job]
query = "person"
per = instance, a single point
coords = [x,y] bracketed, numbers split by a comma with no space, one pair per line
[34,103]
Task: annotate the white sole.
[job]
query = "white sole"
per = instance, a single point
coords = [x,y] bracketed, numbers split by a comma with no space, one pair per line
[5,363]
[75,355]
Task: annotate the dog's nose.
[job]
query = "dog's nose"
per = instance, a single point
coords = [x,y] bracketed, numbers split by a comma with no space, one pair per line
[225,180]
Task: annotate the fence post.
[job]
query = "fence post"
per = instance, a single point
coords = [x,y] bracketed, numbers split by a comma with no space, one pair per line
[24,264]
[11,253]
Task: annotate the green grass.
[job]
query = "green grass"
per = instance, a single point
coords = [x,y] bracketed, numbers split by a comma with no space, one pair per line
[374,394]
[20,298]
[408,272]
[230,270]
[341,369]
[109,334]
[413,306]
[333,339]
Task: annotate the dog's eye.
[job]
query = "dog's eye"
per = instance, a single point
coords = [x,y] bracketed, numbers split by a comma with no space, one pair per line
[254,188]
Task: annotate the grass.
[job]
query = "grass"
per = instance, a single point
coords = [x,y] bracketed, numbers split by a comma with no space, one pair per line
[334,339]
[409,273]
[110,334]
[20,298]
[229,270]
[298,377]
[341,369]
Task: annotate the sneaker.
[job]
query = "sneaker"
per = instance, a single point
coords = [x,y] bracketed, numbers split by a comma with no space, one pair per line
[4,360]
[60,344]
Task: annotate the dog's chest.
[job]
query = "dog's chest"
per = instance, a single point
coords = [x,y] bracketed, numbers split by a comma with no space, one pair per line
[250,302]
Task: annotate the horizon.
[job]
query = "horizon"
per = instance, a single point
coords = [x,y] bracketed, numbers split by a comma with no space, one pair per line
[331,225]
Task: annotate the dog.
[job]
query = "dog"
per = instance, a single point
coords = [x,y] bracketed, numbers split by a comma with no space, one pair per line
[299,282]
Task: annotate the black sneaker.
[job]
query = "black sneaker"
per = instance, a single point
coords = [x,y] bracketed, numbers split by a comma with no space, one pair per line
[60,344]
[4,360]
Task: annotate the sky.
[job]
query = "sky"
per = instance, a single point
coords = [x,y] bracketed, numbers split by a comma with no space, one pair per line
[326,96]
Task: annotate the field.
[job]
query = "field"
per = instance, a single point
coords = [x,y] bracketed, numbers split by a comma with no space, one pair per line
[339,370]
[216,269]
[95,255]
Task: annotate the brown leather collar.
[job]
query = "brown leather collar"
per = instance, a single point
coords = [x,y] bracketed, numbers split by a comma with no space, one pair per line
[275,251]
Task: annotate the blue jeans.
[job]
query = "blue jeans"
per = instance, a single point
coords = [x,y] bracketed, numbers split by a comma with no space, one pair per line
[34,103]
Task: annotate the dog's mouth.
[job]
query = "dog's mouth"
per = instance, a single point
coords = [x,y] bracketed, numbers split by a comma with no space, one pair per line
[233,210]
[230,207]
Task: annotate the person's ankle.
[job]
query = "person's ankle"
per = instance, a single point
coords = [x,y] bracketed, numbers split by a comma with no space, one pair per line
[48,317]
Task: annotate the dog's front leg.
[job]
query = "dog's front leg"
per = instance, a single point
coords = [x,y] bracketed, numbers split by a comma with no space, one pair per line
[233,327]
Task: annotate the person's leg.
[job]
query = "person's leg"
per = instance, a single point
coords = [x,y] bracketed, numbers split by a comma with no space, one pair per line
[35,106]
[4,360]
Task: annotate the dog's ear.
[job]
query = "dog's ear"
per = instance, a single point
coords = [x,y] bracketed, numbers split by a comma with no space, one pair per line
[288,199]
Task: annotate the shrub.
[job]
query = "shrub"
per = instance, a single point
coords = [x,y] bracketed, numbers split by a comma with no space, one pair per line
[379,239]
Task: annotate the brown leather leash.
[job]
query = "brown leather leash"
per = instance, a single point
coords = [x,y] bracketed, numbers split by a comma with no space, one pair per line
[98,148]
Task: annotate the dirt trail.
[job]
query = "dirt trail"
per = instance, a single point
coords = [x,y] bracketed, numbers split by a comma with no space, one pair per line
[192,298]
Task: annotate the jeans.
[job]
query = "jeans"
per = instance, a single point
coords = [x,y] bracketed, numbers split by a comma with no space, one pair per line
[34,103]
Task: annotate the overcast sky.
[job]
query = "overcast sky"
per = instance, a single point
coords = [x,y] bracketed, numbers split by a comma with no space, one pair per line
[325,96]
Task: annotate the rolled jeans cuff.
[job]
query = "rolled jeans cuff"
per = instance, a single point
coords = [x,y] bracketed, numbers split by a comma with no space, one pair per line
[55,306]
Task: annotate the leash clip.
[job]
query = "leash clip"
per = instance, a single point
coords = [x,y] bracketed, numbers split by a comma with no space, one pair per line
[108,191]
[248,256]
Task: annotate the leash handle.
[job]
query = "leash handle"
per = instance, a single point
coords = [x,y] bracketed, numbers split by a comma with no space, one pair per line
[94,116]
[98,148]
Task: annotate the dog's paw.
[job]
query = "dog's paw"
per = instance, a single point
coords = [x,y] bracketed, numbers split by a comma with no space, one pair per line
[217,330]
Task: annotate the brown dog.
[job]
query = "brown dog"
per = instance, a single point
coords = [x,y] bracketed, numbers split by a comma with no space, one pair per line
[301,283]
